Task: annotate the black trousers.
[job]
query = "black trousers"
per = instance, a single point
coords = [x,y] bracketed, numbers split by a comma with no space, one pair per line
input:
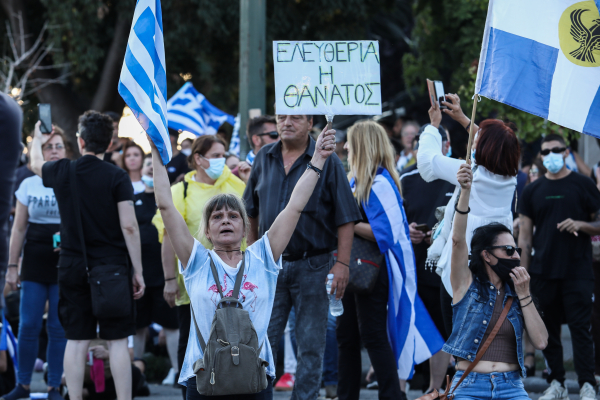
[447,312]
[572,299]
[365,319]
[184,318]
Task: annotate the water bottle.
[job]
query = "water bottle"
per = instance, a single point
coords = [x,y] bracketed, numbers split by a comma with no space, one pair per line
[336,308]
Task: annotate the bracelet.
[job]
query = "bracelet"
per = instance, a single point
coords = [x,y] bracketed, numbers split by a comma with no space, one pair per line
[13,265]
[468,126]
[461,212]
[343,263]
[530,301]
[317,170]
[170,279]
[526,297]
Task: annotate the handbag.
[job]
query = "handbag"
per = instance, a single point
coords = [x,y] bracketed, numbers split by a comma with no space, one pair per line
[365,260]
[109,283]
[447,395]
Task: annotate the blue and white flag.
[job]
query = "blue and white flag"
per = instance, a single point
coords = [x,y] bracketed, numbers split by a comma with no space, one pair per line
[188,110]
[543,57]
[143,82]
[8,343]
[412,333]
[234,144]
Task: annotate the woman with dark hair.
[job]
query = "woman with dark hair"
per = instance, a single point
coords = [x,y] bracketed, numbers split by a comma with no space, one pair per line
[133,159]
[209,176]
[495,155]
[490,298]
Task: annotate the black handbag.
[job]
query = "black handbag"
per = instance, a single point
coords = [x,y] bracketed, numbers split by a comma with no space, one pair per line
[365,260]
[110,286]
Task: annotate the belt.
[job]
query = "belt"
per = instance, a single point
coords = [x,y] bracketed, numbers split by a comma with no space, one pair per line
[306,254]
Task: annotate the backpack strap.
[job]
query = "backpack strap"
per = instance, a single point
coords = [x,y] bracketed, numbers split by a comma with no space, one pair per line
[200,339]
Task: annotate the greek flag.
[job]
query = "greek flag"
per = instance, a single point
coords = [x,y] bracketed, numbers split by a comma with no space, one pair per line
[234,145]
[143,82]
[188,110]
[412,333]
[8,342]
[543,57]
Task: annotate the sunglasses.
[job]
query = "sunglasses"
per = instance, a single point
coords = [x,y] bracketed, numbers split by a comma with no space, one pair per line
[510,250]
[555,150]
[272,135]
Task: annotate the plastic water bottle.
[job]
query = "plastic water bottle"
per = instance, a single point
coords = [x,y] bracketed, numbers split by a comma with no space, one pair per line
[336,308]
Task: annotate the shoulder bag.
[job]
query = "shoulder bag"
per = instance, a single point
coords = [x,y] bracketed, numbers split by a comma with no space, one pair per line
[365,260]
[447,395]
[110,284]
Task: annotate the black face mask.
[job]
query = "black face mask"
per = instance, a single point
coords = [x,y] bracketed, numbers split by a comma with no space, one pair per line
[504,266]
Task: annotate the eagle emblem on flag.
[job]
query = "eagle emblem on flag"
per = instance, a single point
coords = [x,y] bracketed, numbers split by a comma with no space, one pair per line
[588,38]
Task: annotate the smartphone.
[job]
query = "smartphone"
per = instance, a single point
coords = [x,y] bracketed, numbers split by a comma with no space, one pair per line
[423,228]
[436,93]
[45,118]
[56,240]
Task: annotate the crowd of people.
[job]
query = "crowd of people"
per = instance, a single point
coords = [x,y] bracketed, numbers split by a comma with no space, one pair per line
[229,258]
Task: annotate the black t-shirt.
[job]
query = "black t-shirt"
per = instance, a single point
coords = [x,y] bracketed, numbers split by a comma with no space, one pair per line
[560,255]
[177,166]
[101,186]
[145,209]
[420,201]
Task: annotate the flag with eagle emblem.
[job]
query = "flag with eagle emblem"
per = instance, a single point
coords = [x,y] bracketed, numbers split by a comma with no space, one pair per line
[543,57]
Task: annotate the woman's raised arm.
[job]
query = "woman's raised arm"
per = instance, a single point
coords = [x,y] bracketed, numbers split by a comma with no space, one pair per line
[282,229]
[181,239]
[460,275]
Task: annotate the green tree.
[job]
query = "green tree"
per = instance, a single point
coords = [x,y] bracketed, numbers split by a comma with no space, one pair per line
[446,46]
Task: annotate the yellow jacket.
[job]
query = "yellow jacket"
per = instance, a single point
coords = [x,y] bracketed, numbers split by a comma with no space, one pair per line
[192,208]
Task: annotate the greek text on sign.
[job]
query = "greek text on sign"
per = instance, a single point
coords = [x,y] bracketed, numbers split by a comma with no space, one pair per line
[327,78]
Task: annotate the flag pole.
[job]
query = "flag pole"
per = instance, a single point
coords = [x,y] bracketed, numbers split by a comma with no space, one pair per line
[471,129]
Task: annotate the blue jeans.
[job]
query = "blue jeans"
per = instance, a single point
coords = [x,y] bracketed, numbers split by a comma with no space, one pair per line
[33,302]
[330,359]
[496,386]
[192,393]
[301,284]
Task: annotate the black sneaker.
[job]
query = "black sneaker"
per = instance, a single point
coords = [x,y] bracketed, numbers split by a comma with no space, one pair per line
[19,392]
[403,395]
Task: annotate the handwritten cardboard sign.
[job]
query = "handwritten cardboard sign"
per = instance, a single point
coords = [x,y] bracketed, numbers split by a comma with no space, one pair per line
[327,78]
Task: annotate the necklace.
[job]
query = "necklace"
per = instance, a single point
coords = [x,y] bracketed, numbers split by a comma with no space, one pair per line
[290,163]
[228,251]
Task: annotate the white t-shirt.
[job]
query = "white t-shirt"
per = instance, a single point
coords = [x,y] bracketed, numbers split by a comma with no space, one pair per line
[138,187]
[40,201]
[257,295]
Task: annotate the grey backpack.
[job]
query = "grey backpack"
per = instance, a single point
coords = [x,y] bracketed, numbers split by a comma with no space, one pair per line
[231,363]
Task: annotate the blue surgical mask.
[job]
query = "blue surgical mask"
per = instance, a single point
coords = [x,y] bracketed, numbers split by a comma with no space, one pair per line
[554,162]
[148,181]
[216,167]
[449,153]
[186,152]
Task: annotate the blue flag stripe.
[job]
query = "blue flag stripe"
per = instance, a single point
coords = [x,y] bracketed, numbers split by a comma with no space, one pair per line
[145,30]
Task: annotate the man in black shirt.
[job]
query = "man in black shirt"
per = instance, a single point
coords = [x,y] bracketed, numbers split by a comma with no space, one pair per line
[178,166]
[420,202]
[111,234]
[564,208]
[326,223]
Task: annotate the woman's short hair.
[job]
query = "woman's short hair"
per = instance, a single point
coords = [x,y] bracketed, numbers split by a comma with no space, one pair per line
[201,146]
[498,148]
[216,203]
[131,144]
[484,237]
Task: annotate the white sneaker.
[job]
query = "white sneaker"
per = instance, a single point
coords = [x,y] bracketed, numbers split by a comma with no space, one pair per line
[587,392]
[556,391]
[170,379]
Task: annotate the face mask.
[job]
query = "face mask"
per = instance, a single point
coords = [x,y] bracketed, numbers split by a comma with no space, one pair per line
[148,181]
[473,157]
[449,153]
[216,167]
[504,266]
[554,162]
[186,152]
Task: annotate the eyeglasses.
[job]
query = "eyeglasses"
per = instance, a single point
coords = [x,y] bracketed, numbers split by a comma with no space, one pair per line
[272,135]
[510,250]
[57,147]
[555,150]
[534,171]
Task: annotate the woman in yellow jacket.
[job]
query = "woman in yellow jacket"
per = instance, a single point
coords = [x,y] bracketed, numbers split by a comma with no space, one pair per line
[209,177]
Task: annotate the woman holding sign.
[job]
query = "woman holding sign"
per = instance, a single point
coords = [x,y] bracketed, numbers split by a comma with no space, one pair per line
[225,225]
[495,160]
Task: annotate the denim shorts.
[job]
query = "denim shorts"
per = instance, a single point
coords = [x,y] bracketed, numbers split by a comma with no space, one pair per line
[496,386]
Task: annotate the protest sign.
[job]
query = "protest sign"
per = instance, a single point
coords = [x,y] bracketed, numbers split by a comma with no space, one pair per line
[327,78]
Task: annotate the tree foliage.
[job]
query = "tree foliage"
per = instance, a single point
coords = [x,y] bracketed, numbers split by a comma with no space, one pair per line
[447,42]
